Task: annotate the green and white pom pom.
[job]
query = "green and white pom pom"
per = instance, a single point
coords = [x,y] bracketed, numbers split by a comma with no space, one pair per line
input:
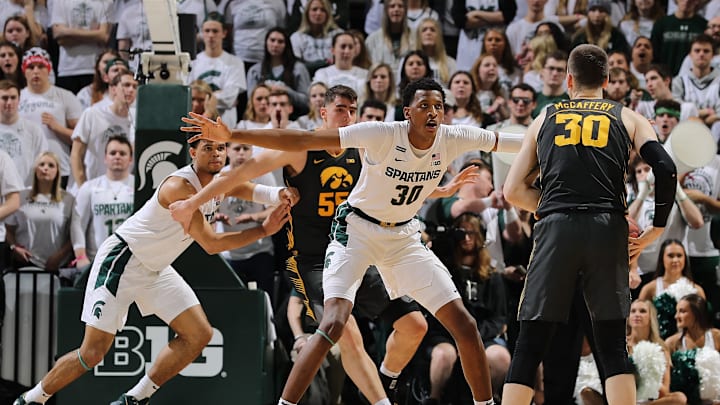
[649,360]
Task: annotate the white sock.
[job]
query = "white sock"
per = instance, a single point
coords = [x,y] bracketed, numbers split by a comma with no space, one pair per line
[387,372]
[36,394]
[488,402]
[144,388]
[384,401]
[284,402]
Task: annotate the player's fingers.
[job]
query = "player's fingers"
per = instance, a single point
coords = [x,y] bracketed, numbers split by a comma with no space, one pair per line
[191,129]
[195,138]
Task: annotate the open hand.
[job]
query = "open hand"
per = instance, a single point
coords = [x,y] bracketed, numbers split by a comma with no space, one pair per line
[636,245]
[275,221]
[467,175]
[206,128]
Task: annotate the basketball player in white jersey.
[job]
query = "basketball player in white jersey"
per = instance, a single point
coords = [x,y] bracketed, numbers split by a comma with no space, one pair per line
[133,265]
[403,163]
[103,203]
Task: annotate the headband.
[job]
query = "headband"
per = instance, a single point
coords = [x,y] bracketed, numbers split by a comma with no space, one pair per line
[32,59]
[668,111]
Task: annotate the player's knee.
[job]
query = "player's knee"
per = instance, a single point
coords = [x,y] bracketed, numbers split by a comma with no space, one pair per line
[611,346]
[204,334]
[444,356]
[91,355]
[498,357]
[412,325]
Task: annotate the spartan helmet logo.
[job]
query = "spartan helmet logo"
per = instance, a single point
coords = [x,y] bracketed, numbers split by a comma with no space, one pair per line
[336,177]
[97,309]
[153,163]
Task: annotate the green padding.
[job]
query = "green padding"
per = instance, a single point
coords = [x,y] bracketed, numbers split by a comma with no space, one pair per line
[166,102]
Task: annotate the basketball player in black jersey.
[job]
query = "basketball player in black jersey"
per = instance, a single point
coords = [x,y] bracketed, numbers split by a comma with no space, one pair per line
[580,148]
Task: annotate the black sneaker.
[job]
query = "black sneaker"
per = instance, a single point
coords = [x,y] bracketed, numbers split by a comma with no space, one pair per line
[390,385]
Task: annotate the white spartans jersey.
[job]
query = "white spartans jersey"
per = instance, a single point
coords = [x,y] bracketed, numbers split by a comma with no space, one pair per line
[396,177]
[706,180]
[153,236]
[101,206]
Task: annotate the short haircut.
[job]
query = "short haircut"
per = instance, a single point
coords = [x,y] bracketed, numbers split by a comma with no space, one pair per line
[616,71]
[279,93]
[117,79]
[703,39]
[619,52]
[339,91]
[424,83]
[588,65]
[661,70]
[119,139]
[7,84]
[524,87]
[557,55]
[373,103]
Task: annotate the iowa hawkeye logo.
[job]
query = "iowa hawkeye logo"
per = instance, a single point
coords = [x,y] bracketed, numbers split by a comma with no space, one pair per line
[336,177]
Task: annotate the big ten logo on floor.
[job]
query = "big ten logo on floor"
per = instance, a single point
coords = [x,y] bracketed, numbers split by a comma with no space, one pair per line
[134,351]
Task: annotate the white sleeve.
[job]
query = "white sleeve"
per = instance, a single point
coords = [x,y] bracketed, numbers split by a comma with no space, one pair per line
[233,83]
[469,138]
[10,181]
[83,128]
[57,16]
[375,137]
[295,40]
[73,108]
[81,216]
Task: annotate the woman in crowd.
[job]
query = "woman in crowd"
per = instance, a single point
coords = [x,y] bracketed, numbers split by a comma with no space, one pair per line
[672,281]
[600,31]
[311,42]
[415,66]
[17,30]
[342,71]
[652,380]
[380,85]
[483,294]
[257,113]
[317,99]
[469,111]
[695,332]
[491,95]
[11,63]
[98,89]
[429,39]
[362,57]
[495,43]
[538,49]
[640,19]
[280,70]
[251,20]
[39,232]
[394,39]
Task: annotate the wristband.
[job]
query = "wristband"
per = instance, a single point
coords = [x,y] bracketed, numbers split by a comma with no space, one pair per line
[508,142]
[487,201]
[12,247]
[266,194]
[511,215]
[680,195]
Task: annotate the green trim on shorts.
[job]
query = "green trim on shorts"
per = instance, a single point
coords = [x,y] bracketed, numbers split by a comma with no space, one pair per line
[112,267]
[338,229]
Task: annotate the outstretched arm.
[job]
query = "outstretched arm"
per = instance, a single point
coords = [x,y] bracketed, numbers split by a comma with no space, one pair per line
[518,188]
[175,189]
[467,175]
[278,139]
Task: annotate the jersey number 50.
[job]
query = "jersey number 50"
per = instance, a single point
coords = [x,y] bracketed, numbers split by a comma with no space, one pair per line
[592,131]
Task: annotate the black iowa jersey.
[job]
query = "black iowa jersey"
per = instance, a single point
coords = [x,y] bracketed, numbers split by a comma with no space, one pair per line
[324,183]
[583,150]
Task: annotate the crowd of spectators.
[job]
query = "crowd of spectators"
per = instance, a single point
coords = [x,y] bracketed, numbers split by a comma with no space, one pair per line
[67,112]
